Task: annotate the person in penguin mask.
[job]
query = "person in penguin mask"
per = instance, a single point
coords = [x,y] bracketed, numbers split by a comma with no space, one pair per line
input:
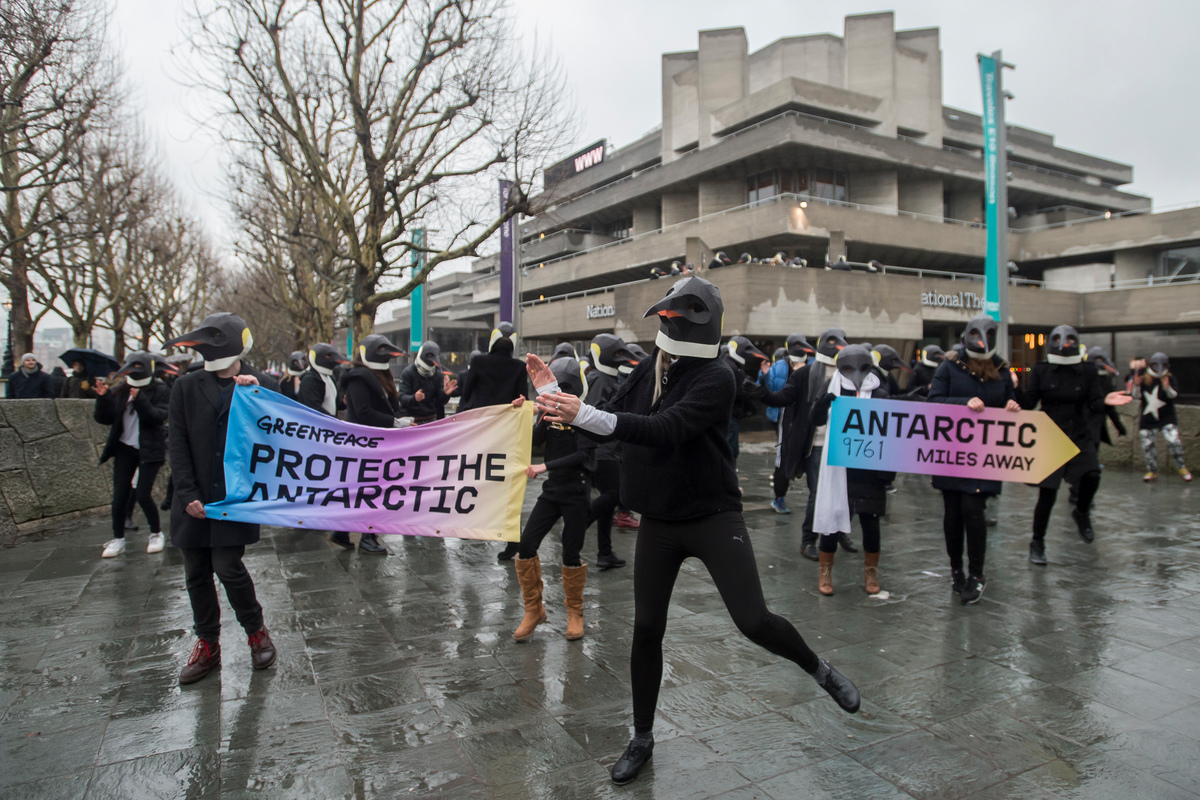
[1070,393]
[887,361]
[971,375]
[671,417]
[563,350]
[747,363]
[198,419]
[842,492]
[927,363]
[794,356]
[297,364]
[1107,374]
[803,437]
[1156,390]
[318,388]
[424,389]
[565,495]
[609,354]
[135,407]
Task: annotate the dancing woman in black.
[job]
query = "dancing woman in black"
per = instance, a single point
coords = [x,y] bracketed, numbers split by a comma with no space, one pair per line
[671,417]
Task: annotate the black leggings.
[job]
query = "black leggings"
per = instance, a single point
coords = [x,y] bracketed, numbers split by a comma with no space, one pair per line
[608,481]
[1089,484]
[125,463]
[964,514]
[870,529]
[199,566]
[569,501]
[723,545]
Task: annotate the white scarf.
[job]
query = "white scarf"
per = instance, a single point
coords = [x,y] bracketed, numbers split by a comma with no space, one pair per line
[833,504]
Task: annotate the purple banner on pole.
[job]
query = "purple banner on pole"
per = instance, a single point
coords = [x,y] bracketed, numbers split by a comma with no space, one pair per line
[508,278]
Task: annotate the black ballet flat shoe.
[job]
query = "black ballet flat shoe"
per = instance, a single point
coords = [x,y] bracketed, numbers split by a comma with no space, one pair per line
[508,552]
[1085,525]
[847,543]
[809,551]
[839,687]
[342,539]
[609,561]
[1037,552]
[636,754]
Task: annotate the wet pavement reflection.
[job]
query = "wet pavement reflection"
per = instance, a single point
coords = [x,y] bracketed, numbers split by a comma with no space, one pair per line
[398,676]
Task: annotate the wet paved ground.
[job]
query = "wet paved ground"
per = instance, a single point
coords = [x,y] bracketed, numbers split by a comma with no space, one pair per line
[398,677]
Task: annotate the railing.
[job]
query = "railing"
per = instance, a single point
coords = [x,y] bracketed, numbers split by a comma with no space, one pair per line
[1108,215]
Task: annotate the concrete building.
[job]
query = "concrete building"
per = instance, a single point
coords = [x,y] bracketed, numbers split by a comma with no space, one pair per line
[824,148]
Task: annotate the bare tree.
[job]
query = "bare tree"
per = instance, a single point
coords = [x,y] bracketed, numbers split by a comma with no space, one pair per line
[54,78]
[391,113]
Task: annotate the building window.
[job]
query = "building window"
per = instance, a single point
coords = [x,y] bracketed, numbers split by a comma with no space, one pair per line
[762,186]
[618,228]
[1181,264]
[829,184]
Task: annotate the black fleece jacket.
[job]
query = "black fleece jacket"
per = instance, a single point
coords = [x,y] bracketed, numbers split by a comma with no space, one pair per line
[566,453]
[366,401]
[676,462]
[1070,395]
[492,379]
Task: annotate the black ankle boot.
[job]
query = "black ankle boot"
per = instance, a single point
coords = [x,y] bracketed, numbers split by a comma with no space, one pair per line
[609,561]
[508,552]
[637,753]
[1084,521]
[1037,552]
[839,687]
[958,580]
[369,543]
[342,539]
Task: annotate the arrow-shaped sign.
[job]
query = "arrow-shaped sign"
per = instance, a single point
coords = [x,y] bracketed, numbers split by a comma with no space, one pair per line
[943,439]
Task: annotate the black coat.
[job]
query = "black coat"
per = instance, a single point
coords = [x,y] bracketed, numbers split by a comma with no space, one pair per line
[199,417]
[1070,395]
[37,386]
[312,392]
[798,398]
[953,382]
[434,404]
[1166,414]
[79,387]
[918,386]
[676,463]
[288,388]
[152,406]
[492,379]
[1098,421]
[366,401]
[601,389]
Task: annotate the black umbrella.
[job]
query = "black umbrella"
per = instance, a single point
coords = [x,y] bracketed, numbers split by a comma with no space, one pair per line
[95,363]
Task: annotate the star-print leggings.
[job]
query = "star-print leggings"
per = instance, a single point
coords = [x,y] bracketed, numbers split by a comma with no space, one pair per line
[1170,432]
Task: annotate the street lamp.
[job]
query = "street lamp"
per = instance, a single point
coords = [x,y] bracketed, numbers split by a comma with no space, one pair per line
[8,367]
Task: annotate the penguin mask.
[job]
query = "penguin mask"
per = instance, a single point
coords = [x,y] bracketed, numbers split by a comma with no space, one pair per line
[888,359]
[798,349]
[220,340]
[690,319]
[832,342]
[427,358]
[569,374]
[138,370]
[1062,346]
[743,353]
[297,363]
[1098,357]
[503,339]
[980,337]
[780,353]
[610,353]
[855,363]
[932,356]
[1158,365]
[563,350]
[324,357]
[376,351]
[639,355]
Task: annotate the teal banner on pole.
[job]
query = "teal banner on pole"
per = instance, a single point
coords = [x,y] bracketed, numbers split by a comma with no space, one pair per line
[416,300]
[988,69]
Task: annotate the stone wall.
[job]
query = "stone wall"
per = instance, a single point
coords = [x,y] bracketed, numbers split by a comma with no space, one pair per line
[49,470]
[1127,450]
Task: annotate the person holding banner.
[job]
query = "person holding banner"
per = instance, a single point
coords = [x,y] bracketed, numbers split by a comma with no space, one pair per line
[424,390]
[671,417]
[971,375]
[842,492]
[198,418]
[1070,393]
[566,495]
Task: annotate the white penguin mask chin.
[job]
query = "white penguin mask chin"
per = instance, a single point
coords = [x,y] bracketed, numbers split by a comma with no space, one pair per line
[372,365]
[798,360]
[929,362]
[980,356]
[1153,373]
[138,383]
[328,371]
[295,373]
[824,359]
[218,364]
[1075,359]
[691,349]
[624,370]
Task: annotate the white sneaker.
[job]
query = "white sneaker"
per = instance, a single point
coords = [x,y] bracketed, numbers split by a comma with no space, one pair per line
[113,547]
[155,543]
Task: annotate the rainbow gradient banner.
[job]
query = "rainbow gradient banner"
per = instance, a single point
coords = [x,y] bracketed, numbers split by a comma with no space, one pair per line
[461,477]
[945,439]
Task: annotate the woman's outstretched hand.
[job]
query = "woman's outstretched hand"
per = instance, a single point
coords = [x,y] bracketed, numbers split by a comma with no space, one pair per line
[558,407]
[539,374]
[1117,398]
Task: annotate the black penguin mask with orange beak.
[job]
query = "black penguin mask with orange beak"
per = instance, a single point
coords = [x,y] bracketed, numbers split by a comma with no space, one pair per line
[689,319]
[833,341]
[220,340]
[980,338]
[324,357]
[748,357]
[798,348]
[888,359]
[376,351]
[139,368]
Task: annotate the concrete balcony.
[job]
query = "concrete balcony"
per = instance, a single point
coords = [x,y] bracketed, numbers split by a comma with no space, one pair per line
[562,243]
[1098,235]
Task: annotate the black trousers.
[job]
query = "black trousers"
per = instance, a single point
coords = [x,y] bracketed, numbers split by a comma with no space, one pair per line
[607,479]
[812,471]
[1085,493]
[964,515]
[125,463]
[871,537]
[722,543]
[567,500]
[199,565]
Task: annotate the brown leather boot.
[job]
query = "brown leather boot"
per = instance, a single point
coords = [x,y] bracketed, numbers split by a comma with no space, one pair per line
[574,579]
[205,657]
[262,649]
[825,581]
[871,572]
[529,575]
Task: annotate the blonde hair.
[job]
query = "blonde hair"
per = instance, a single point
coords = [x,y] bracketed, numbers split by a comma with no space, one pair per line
[661,364]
